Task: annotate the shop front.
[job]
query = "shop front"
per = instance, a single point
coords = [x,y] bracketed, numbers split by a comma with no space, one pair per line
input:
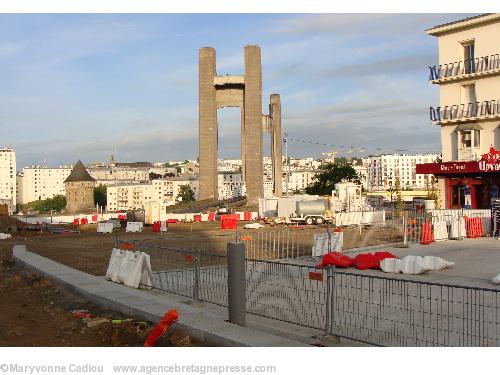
[467,184]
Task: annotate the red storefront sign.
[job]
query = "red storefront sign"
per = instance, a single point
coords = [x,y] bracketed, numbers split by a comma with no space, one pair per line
[489,162]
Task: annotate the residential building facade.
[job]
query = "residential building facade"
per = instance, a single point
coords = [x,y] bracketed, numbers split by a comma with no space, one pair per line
[382,171]
[8,176]
[468,113]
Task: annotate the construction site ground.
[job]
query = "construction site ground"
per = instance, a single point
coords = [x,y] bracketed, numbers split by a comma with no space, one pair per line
[90,251]
[35,312]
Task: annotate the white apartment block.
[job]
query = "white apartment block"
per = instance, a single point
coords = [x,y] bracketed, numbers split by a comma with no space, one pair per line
[39,182]
[382,171]
[136,196]
[299,179]
[362,172]
[230,185]
[8,175]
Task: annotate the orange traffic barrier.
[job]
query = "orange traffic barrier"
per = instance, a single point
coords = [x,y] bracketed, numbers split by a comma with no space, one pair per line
[246,238]
[163,326]
[426,236]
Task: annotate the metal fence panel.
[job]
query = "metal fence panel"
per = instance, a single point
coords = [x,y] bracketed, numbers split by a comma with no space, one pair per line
[396,312]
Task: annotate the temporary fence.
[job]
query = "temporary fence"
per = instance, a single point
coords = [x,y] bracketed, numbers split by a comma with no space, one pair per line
[397,312]
[286,292]
[440,225]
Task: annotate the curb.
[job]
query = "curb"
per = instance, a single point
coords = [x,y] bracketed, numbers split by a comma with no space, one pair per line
[147,305]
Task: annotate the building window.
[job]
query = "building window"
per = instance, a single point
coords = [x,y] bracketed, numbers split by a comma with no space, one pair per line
[469,64]
[477,139]
[465,139]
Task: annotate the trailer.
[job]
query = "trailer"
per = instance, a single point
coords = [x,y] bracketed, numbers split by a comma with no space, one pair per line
[312,212]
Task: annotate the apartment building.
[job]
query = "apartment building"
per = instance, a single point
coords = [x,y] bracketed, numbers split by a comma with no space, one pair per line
[383,170]
[8,176]
[38,182]
[300,179]
[230,185]
[135,196]
[468,112]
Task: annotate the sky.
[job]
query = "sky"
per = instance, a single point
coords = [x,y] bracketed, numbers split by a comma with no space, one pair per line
[84,86]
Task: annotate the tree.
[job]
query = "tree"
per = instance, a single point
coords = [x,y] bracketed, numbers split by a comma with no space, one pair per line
[100,195]
[331,174]
[186,193]
[433,191]
[399,200]
[178,169]
[56,204]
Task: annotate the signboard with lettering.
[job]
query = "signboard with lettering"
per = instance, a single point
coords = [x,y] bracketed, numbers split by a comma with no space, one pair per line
[490,162]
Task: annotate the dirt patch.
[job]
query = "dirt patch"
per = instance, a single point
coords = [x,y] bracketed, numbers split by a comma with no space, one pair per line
[37,313]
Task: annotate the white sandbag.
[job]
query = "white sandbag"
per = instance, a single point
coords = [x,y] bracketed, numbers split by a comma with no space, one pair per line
[253,226]
[115,263]
[412,265]
[134,226]
[131,268]
[432,263]
[146,273]
[496,279]
[104,227]
[4,236]
[391,265]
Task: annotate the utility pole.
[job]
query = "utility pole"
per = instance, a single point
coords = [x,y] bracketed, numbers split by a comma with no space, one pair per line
[285,140]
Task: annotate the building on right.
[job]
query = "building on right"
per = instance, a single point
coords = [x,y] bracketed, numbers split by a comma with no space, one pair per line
[468,113]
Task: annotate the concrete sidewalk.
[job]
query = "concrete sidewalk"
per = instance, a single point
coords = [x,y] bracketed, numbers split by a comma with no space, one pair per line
[202,323]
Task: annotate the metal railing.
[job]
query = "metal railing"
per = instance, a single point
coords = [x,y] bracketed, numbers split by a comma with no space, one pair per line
[458,68]
[388,311]
[286,292]
[465,111]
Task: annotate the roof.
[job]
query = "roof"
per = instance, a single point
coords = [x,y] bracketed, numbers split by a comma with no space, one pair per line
[461,23]
[137,164]
[79,174]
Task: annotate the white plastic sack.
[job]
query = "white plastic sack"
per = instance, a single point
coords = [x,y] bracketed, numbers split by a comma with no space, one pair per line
[134,226]
[254,226]
[432,263]
[163,226]
[115,263]
[391,265]
[146,272]
[412,265]
[131,268]
[496,279]
[104,227]
[4,236]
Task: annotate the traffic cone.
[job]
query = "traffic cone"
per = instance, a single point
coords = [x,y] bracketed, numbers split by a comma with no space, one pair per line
[165,323]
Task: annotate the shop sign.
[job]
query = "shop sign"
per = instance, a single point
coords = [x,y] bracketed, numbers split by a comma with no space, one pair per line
[490,162]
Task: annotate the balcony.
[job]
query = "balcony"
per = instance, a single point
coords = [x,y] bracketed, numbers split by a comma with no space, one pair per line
[465,69]
[489,109]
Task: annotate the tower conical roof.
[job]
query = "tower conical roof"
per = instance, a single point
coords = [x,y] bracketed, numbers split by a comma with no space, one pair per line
[79,174]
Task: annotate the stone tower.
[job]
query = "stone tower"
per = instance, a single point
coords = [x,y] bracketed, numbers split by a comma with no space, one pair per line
[243,91]
[79,190]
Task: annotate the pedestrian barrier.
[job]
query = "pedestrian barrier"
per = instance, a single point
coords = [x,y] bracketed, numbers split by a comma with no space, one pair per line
[197,218]
[105,228]
[426,234]
[228,222]
[440,231]
[134,226]
[327,242]
[211,216]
